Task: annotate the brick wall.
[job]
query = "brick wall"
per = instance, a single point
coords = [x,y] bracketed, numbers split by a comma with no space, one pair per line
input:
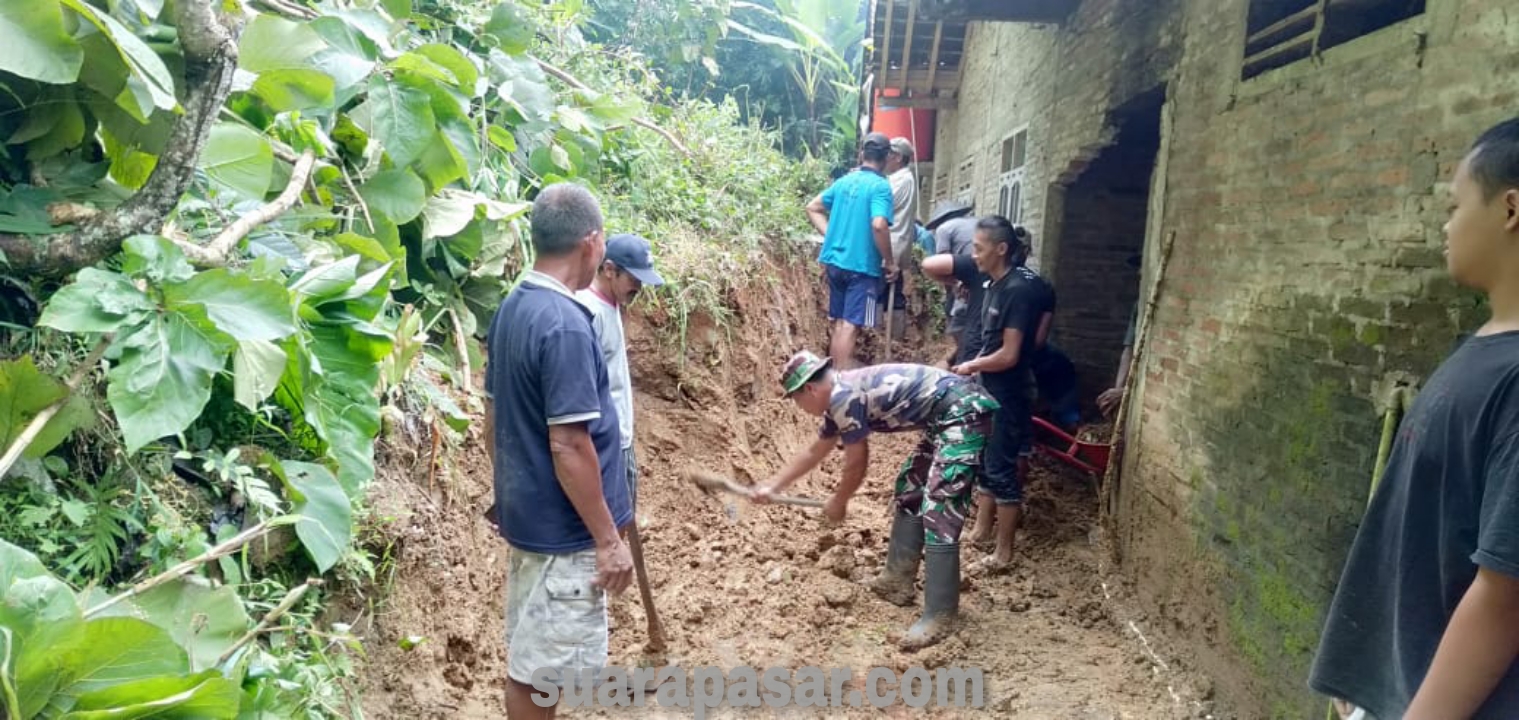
[1307,270]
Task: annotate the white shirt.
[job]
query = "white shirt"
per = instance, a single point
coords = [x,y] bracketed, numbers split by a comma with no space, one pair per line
[904,201]
[607,320]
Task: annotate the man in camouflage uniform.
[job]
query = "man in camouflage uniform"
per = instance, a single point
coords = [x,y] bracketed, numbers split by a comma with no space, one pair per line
[933,489]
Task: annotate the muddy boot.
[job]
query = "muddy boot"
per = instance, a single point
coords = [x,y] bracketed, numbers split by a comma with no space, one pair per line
[941,598]
[895,583]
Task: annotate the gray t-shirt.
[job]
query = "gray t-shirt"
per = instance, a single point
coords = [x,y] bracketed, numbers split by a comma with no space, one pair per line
[607,320]
[956,236]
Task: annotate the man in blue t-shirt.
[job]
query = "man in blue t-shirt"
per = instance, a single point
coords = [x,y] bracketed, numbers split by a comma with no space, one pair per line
[561,490]
[854,215]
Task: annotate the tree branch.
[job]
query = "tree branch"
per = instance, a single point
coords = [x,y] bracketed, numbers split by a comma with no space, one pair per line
[233,544]
[574,82]
[279,611]
[210,50]
[34,428]
[215,253]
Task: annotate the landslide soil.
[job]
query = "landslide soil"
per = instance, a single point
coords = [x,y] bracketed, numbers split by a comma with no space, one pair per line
[742,585]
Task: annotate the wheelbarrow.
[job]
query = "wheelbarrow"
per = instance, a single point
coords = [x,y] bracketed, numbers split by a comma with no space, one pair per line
[1089,457]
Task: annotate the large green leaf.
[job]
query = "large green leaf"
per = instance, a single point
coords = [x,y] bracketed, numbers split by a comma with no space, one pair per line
[440,164]
[401,118]
[256,369]
[97,301]
[156,259]
[326,281]
[340,397]
[206,695]
[203,620]
[164,378]
[295,89]
[36,46]
[64,134]
[238,305]
[25,392]
[116,650]
[326,526]
[464,72]
[146,66]
[399,194]
[274,43]
[522,84]
[43,620]
[509,28]
[238,160]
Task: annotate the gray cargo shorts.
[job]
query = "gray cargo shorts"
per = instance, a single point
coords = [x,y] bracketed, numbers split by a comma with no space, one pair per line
[555,617]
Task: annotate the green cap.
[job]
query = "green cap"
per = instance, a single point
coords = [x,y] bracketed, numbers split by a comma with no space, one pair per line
[802,367]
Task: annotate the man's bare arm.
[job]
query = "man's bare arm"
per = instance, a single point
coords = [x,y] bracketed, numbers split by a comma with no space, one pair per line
[1005,358]
[802,463]
[579,473]
[818,214]
[856,462]
[1479,646]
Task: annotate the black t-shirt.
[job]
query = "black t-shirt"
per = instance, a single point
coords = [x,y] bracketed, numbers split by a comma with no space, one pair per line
[1447,503]
[1016,302]
[974,281]
[1054,372]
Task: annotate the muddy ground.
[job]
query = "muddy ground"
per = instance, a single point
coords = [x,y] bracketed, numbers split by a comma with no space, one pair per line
[741,585]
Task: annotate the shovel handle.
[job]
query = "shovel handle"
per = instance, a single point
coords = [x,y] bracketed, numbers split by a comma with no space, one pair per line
[708,481]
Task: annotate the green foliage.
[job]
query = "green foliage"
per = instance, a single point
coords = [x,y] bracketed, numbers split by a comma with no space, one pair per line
[252,385]
[148,658]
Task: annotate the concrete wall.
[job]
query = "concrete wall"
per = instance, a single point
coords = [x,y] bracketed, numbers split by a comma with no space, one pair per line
[1306,206]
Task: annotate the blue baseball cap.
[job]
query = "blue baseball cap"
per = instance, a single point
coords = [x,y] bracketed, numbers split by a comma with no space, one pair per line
[631,253]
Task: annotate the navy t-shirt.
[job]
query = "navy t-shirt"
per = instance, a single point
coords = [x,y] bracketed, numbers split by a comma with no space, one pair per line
[1447,504]
[545,368]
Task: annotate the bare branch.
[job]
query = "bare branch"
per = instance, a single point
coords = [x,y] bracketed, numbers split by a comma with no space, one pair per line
[216,253]
[279,611]
[574,82]
[210,51]
[34,428]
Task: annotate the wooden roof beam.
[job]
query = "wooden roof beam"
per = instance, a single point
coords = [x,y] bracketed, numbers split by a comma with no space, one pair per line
[912,11]
[933,55]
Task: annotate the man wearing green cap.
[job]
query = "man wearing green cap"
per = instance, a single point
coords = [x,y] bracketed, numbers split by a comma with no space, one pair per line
[933,489]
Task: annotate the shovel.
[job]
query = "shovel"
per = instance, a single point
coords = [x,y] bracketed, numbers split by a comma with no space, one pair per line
[710,483]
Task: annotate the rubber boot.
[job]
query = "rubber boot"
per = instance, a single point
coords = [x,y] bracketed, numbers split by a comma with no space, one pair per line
[895,583]
[941,598]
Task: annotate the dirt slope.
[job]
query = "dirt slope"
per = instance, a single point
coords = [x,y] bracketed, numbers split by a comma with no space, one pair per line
[738,584]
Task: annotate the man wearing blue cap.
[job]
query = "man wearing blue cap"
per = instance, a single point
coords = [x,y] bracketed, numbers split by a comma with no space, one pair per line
[627,268]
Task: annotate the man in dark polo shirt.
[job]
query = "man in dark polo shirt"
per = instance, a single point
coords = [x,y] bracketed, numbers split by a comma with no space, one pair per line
[1015,316]
[561,492]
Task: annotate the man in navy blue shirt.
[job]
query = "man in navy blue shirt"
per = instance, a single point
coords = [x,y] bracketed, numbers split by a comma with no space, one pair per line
[561,492]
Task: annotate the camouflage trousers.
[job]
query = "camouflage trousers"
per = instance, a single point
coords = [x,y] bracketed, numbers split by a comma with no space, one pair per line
[938,479]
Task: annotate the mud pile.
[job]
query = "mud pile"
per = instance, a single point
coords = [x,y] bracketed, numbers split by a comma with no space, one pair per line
[742,585]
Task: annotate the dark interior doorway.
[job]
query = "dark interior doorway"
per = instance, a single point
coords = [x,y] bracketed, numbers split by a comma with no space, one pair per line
[1102,229]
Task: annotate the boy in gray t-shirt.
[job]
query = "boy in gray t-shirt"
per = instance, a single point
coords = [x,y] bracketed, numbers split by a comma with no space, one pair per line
[628,267]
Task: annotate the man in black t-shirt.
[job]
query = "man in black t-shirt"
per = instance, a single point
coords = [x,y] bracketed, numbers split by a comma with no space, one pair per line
[1015,314]
[1423,624]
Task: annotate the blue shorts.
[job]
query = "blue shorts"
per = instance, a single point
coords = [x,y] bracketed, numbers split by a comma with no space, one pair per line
[853,297]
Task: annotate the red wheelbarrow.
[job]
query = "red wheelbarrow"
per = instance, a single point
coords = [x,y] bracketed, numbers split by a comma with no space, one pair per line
[1084,456]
